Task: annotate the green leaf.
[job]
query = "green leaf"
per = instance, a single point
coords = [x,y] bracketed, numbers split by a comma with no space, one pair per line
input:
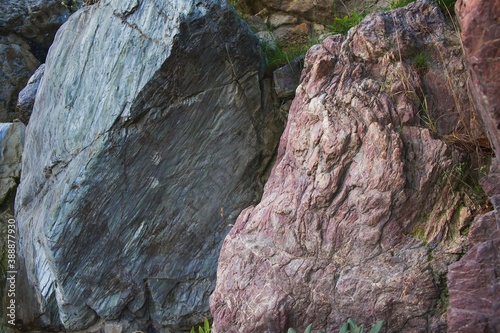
[344,328]
[291,330]
[200,330]
[192,330]
[207,325]
[353,325]
[309,328]
[377,327]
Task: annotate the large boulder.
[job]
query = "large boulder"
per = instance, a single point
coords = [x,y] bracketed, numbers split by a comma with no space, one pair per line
[473,281]
[145,143]
[366,205]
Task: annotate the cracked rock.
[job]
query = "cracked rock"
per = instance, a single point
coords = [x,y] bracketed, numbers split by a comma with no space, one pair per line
[145,143]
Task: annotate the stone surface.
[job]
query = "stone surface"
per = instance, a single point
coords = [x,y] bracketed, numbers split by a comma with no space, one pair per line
[319,11]
[34,20]
[145,143]
[480,35]
[286,78]
[27,30]
[11,148]
[17,64]
[363,212]
[26,98]
[473,281]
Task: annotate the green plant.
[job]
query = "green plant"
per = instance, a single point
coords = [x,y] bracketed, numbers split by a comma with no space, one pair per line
[447,6]
[420,61]
[308,330]
[399,3]
[278,56]
[351,327]
[205,329]
[341,25]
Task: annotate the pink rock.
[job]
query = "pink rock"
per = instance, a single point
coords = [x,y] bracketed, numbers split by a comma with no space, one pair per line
[357,218]
[473,281]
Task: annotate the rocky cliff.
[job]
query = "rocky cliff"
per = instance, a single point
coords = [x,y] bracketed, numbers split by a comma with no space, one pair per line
[368,202]
[146,141]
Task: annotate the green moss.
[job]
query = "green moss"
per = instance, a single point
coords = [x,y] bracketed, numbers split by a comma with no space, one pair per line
[341,25]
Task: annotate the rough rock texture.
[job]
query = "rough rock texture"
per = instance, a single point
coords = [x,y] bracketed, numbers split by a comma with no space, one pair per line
[480,34]
[319,11]
[287,78]
[27,30]
[364,208]
[145,143]
[11,148]
[34,20]
[17,64]
[473,282]
[26,98]
[474,286]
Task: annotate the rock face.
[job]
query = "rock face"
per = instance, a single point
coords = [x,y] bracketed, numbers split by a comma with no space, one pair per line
[28,28]
[145,143]
[319,11]
[481,39]
[11,147]
[473,281]
[364,208]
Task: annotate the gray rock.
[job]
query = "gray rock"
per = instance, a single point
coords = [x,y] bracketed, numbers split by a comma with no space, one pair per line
[17,64]
[287,78]
[11,148]
[34,20]
[358,218]
[28,29]
[278,19]
[26,98]
[144,145]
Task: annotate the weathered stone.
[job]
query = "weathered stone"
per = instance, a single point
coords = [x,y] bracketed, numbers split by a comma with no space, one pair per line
[34,20]
[286,78]
[278,19]
[28,28]
[480,35]
[319,11]
[288,35]
[11,148]
[358,218]
[17,65]
[26,98]
[144,145]
[473,281]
